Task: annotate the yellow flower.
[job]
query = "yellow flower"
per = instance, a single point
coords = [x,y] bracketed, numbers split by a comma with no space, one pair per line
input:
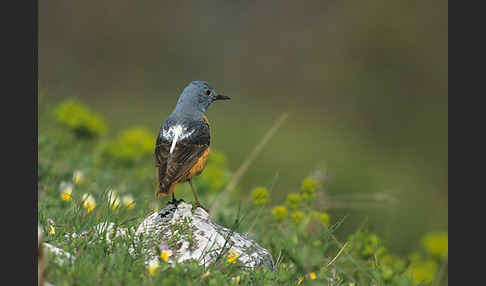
[312,275]
[308,188]
[293,200]
[297,216]
[113,199]
[52,230]
[66,196]
[153,266]
[422,271]
[232,257]
[79,118]
[78,177]
[279,212]
[259,195]
[89,202]
[300,281]
[131,145]
[436,243]
[165,254]
[324,217]
[66,191]
[128,202]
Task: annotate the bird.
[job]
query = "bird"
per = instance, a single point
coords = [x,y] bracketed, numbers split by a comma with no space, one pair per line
[182,145]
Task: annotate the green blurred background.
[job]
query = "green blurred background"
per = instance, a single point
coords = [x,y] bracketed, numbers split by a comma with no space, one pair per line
[365,84]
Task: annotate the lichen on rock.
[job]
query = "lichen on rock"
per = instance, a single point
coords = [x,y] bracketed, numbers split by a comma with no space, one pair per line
[194,236]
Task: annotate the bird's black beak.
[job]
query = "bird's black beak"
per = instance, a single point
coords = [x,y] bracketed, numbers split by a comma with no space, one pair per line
[221,97]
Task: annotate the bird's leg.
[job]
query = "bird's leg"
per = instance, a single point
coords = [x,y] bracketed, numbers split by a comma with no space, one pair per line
[197,203]
[193,191]
[175,201]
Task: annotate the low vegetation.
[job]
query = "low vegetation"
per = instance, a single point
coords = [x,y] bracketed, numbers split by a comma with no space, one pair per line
[86,177]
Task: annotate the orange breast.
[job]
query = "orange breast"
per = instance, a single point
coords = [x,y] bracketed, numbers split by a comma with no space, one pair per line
[197,168]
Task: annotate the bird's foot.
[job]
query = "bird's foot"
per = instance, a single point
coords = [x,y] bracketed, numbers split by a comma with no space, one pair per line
[175,202]
[197,204]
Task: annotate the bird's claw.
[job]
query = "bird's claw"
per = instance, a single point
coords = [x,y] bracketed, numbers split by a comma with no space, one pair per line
[175,201]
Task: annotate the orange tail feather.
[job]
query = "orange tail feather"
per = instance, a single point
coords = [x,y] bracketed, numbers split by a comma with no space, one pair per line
[161,193]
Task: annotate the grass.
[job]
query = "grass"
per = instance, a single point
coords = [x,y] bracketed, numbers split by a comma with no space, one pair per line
[301,238]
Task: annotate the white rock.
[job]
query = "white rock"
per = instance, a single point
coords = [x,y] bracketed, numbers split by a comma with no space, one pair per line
[194,236]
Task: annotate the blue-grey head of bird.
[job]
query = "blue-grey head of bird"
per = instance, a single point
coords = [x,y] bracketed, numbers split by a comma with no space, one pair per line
[196,98]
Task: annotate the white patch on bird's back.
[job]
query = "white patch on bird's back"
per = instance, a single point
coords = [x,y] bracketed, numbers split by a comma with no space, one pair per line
[175,134]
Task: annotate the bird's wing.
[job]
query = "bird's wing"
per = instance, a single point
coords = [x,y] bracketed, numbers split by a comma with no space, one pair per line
[161,155]
[176,157]
[162,148]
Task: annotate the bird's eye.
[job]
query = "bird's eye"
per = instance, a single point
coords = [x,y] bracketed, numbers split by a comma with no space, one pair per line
[208,92]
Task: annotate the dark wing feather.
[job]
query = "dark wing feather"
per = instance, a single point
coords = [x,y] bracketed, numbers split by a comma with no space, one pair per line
[186,153]
[161,156]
